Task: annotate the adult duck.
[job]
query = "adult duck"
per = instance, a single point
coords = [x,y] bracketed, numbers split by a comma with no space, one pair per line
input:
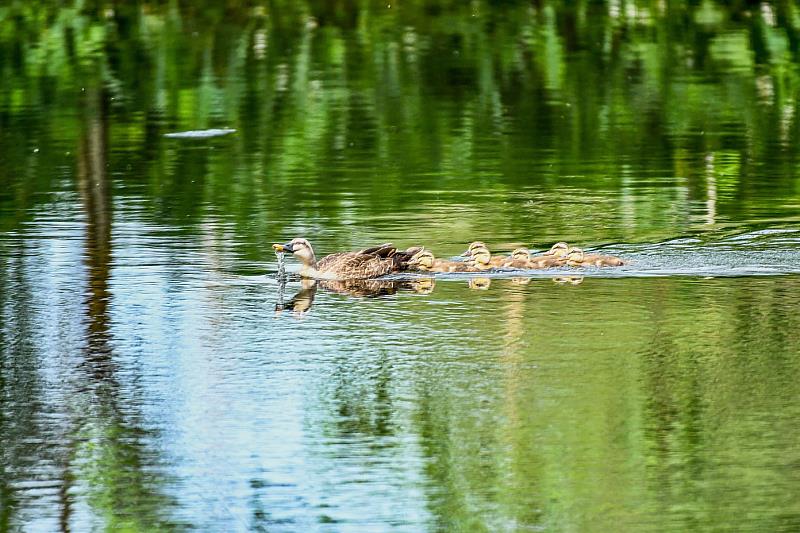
[362,264]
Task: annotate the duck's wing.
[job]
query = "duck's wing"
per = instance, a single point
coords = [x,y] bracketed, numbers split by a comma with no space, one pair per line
[332,259]
[402,258]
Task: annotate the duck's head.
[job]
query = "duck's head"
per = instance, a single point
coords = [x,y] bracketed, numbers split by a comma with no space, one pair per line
[574,255]
[521,254]
[422,260]
[559,249]
[300,248]
[480,257]
[472,247]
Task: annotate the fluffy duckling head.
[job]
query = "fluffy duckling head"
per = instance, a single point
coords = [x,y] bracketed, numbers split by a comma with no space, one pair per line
[422,260]
[559,249]
[300,248]
[574,256]
[521,254]
[480,257]
[472,247]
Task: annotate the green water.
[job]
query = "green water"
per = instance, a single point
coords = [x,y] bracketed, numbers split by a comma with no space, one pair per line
[155,375]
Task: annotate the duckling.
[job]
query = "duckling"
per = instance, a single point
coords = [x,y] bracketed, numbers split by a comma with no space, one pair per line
[476,246]
[559,249]
[362,264]
[577,257]
[426,262]
[554,257]
[521,259]
[480,260]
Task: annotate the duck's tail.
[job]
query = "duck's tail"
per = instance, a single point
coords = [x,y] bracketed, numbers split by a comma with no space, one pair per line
[382,250]
[402,258]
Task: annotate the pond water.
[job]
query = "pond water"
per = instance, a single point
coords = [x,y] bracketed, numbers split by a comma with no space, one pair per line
[158,372]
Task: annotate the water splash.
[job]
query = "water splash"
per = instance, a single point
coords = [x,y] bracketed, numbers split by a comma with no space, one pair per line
[281,274]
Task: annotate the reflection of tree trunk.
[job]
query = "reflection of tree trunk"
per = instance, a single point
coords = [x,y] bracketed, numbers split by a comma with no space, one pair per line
[96,197]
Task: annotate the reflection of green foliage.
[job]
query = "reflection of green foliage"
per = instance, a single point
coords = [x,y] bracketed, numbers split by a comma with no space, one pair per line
[514,120]
[444,95]
[122,487]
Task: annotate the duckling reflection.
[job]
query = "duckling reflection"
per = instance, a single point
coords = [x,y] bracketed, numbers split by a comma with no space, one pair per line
[422,285]
[571,280]
[481,284]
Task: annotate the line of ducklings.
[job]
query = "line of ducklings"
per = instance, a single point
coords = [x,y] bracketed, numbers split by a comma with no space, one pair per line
[385,259]
[480,259]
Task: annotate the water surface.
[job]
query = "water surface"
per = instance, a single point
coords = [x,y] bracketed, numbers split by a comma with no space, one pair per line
[155,374]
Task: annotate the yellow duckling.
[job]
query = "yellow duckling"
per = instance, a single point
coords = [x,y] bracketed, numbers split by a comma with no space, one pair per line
[521,259]
[559,249]
[554,257]
[425,261]
[480,247]
[578,258]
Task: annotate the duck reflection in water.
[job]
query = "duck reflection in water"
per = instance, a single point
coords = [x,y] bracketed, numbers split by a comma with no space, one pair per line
[302,301]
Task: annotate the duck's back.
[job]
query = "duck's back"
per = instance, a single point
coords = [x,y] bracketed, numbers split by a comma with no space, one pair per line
[356,265]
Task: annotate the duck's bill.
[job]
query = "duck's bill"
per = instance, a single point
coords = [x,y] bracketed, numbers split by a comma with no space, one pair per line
[283,247]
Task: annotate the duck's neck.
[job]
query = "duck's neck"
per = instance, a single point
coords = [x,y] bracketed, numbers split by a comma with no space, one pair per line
[309,262]
[309,265]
